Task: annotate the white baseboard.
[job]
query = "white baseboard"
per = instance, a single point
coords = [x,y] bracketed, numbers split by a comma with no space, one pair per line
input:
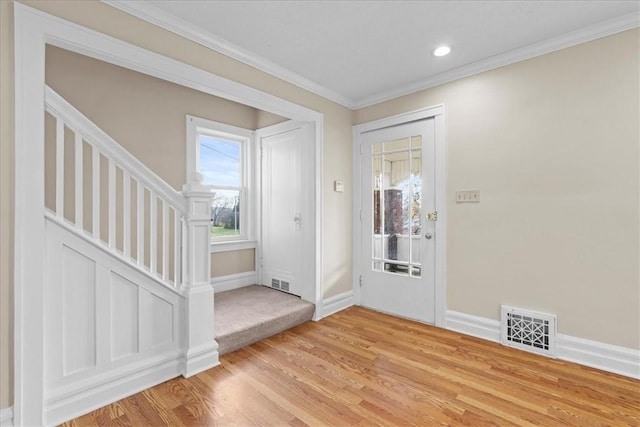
[234,281]
[611,358]
[468,324]
[336,303]
[200,359]
[74,405]
[6,417]
[599,355]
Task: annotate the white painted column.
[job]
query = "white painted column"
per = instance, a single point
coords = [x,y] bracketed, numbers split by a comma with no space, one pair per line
[200,347]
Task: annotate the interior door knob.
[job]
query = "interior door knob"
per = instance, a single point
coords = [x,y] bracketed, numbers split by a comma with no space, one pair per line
[428,236]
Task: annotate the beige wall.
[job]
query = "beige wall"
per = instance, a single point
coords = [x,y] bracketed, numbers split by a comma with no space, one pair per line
[144,114]
[226,263]
[552,144]
[267,119]
[103,18]
[6,204]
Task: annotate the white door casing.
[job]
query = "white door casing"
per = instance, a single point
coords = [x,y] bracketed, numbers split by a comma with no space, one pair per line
[285,207]
[363,224]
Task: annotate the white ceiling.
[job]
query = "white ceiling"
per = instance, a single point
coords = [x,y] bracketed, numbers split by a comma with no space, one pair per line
[361,52]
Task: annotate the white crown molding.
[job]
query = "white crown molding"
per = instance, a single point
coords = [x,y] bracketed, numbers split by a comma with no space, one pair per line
[592,32]
[599,355]
[152,14]
[147,12]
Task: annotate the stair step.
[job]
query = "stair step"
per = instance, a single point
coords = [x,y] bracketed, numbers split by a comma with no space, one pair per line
[247,315]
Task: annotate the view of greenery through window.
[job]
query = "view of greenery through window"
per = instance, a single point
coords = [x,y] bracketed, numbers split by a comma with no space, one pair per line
[221,166]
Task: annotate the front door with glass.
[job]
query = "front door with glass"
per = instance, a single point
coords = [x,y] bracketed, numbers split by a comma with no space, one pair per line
[398,213]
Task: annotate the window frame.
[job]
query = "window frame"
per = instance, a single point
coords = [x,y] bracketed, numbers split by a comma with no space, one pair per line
[196,126]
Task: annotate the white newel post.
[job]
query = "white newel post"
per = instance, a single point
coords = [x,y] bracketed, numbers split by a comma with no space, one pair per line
[200,346]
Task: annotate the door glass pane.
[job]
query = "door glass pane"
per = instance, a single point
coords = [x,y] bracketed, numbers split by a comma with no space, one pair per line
[377,216]
[416,204]
[397,193]
[399,144]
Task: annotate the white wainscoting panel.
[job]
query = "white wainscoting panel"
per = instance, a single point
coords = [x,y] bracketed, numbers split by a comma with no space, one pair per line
[124,317]
[160,316]
[607,357]
[78,288]
[111,330]
[337,303]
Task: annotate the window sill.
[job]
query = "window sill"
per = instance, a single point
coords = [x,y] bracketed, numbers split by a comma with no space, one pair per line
[217,247]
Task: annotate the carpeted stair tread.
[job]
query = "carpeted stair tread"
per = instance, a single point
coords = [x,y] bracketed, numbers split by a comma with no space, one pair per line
[247,315]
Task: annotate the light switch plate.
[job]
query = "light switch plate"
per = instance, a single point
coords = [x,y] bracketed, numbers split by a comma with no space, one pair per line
[338,186]
[468,196]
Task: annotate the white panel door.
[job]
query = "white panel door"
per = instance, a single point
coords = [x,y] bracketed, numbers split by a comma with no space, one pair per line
[398,229]
[283,209]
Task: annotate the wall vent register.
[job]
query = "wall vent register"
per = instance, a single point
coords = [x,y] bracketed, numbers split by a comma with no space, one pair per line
[528,330]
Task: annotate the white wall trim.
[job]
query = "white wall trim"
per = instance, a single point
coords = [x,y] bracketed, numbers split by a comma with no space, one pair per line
[240,245]
[149,13]
[337,303]
[599,355]
[6,417]
[611,358]
[468,324]
[234,281]
[200,359]
[162,19]
[118,388]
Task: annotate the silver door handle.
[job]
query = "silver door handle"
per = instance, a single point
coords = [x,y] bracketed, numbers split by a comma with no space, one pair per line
[428,236]
[297,218]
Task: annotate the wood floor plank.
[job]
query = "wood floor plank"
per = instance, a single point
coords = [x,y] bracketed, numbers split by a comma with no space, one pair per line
[363,368]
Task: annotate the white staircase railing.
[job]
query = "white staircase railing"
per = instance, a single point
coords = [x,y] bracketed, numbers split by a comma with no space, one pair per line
[95,177]
[128,301]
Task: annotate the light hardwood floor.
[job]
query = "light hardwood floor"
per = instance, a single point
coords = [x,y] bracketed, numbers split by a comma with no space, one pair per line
[361,368]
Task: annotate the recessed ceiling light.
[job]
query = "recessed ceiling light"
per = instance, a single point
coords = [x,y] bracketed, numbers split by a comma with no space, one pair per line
[442,51]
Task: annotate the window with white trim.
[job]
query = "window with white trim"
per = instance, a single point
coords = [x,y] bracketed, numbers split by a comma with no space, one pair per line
[222,154]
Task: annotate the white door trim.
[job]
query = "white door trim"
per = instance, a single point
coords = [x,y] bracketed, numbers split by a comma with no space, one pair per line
[33,30]
[437,112]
